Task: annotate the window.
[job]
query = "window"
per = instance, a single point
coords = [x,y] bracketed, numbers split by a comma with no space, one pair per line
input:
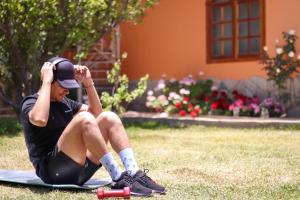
[235,29]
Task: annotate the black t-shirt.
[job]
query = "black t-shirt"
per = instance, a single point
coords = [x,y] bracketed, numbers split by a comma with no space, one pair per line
[40,141]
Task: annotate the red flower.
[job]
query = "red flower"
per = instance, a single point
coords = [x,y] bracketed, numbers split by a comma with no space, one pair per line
[193,114]
[214,93]
[235,93]
[224,105]
[223,94]
[197,110]
[182,113]
[158,109]
[185,100]
[214,105]
[190,106]
[206,99]
[178,105]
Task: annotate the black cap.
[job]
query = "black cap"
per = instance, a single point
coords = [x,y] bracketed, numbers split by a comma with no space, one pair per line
[64,73]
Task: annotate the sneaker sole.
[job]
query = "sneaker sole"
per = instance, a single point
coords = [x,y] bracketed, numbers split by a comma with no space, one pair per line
[140,194]
[159,192]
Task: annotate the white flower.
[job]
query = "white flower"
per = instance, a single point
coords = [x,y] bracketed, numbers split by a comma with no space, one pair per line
[291,54]
[150,93]
[161,85]
[279,50]
[277,41]
[124,55]
[298,56]
[291,41]
[151,98]
[213,88]
[148,104]
[183,91]
[292,32]
[163,100]
[265,48]
[173,80]
[200,73]
[187,81]
[173,96]
[278,70]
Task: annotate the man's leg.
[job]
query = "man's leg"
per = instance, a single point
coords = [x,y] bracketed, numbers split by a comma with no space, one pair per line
[82,134]
[113,131]
[82,138]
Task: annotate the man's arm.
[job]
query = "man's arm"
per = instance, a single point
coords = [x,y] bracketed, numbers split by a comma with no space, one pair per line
[95,106]
[82,74]
[40,112]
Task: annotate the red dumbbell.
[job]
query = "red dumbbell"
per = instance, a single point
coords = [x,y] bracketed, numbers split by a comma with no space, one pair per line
[103,194]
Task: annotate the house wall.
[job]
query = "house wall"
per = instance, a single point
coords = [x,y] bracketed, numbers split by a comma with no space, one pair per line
[172,41]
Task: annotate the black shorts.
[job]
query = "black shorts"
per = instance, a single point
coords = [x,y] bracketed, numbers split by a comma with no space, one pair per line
[58,168]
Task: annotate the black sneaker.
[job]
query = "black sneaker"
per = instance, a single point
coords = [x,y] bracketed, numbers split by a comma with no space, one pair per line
[146,181]
[136,189]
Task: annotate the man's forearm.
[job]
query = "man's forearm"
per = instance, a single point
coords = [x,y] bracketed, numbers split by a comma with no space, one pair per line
[95,106]
[40,112]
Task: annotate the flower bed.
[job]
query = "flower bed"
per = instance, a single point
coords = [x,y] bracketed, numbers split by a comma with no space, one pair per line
[195,97]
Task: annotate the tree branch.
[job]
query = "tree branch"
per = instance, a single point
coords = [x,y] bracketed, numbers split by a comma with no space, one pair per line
[7,100]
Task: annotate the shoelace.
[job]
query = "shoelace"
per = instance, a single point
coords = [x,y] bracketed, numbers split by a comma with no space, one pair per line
[146,178]
[128,178]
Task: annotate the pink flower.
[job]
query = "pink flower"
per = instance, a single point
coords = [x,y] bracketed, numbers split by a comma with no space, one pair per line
[231,107]
[239,103]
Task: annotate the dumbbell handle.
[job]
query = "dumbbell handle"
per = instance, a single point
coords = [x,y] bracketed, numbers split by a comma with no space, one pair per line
[102,194]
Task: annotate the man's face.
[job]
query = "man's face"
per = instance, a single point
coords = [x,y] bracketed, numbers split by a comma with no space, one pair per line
[58,92]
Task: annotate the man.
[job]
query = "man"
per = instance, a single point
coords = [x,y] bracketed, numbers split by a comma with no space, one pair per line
[67,140]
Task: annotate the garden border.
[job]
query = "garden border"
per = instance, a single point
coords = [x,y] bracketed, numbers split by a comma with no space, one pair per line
[132,117]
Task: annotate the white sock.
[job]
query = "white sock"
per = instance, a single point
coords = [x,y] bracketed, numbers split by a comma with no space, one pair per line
[111,166]
[129,161]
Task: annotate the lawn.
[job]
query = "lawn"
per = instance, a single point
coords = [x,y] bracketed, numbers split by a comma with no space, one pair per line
[193,163]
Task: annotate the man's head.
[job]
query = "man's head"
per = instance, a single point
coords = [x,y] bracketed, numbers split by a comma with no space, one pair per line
[63,78]
[64,73]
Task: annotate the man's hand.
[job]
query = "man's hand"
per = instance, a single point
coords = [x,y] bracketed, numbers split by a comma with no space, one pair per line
[47,72]
[83,75]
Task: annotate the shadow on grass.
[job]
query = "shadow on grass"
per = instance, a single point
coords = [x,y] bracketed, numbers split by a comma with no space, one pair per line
[153,125]
[162,124]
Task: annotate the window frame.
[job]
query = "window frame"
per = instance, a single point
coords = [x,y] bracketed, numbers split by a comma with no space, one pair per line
[235,57]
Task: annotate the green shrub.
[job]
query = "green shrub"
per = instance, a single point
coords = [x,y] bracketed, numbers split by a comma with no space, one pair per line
[121,95]
[9,126]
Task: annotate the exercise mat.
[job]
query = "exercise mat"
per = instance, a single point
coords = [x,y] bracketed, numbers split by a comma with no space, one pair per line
[30,178]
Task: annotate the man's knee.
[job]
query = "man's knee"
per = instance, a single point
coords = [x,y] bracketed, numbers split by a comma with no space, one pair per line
[108,117]
[86,119]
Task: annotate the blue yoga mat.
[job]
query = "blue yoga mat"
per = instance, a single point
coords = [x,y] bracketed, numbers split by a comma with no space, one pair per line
[30,178]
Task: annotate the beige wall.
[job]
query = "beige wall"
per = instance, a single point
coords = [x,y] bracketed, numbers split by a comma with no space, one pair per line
[172,40]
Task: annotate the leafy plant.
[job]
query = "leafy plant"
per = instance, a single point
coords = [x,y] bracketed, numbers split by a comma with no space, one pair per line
[31,31]
[195,97]
[9,126]
[284,65]
[121,96]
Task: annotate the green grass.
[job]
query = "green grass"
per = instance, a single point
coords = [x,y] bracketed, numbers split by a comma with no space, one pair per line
[193,163]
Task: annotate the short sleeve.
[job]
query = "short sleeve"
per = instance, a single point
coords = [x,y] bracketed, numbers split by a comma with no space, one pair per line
[75,105]
[28,104]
